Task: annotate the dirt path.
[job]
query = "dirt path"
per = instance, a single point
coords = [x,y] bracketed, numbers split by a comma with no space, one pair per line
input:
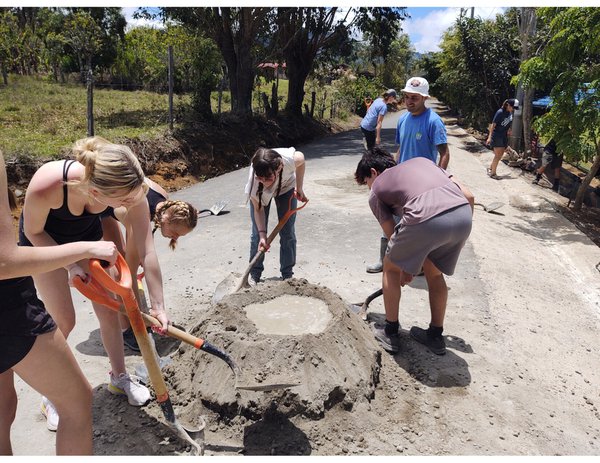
[520,377]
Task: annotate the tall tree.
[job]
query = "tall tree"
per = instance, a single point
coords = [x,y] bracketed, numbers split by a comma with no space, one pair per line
[479,58]
[235,32]
[8,37]
[381,28]
[303,33]
[521,127]
[83,35]
[571,62]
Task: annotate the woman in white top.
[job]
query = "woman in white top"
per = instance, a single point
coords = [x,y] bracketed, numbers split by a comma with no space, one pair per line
[275,173]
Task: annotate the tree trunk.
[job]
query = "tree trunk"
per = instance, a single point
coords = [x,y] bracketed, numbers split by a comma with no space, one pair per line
[527,116]
[274,99]
[4,76]
[297,73]
[586,181]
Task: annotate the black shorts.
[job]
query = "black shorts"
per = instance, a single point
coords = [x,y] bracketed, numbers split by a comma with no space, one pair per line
[553,160]
[24,317]
[499,141]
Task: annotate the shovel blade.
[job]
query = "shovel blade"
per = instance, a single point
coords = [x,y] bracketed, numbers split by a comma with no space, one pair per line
[226,287]
[266,387]
[218,207]
[493,206]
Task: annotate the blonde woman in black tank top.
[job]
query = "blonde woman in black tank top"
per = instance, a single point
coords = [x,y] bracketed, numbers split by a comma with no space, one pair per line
[30,344]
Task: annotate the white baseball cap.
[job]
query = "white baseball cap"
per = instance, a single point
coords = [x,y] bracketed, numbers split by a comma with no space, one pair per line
[417,85]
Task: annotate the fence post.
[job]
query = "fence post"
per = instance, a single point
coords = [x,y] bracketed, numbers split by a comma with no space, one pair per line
[171,72]
[90,100]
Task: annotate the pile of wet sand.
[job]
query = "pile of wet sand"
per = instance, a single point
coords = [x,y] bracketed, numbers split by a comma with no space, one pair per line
[337,363]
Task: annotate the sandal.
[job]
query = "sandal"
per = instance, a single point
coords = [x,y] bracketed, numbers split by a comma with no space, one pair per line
[494,176]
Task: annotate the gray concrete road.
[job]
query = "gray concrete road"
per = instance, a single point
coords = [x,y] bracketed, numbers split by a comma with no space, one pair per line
[525,296]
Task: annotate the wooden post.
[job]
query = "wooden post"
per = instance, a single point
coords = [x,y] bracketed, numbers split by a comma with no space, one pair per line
[171,73]
[313,101]
[90,99]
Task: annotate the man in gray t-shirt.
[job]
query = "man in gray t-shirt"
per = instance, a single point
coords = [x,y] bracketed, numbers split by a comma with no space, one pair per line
[436,218]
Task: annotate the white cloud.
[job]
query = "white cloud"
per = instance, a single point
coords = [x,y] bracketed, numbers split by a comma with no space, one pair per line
[132,23]
[426,32]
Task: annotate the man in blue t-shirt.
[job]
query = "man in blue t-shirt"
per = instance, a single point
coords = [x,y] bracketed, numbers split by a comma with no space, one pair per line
[371,123]
[420,133]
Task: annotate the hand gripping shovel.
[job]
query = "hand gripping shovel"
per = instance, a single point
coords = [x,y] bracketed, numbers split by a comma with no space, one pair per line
[96,289]
[225,287]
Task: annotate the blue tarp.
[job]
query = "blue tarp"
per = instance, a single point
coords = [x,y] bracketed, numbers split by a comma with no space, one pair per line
[546,101]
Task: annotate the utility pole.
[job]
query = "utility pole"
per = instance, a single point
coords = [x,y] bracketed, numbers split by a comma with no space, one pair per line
[171,80]
[472,12]
[90,98]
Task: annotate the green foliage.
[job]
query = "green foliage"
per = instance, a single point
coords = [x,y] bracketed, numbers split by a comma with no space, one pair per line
[397,66]
[205,74]
[354,91]
[478,59]
[571,62]
[8,39]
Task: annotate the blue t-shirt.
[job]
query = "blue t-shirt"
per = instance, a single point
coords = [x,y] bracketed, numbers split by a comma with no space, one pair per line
[503,120]
[377,108]
[419,136]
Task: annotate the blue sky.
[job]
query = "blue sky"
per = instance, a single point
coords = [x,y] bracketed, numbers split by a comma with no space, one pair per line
[425,26]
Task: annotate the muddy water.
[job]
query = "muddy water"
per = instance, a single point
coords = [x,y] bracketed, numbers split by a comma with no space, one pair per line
[290,315]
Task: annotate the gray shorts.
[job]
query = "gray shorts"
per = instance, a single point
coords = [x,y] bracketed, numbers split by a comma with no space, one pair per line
[439,239]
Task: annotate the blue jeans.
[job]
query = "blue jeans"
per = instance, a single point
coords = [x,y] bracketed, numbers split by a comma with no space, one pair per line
[287,238]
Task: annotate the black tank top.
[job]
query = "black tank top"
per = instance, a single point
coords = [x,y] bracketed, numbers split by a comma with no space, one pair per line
[63,226]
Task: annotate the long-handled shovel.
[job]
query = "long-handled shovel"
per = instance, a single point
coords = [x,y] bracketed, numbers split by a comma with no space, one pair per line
[122,287]
[225,287]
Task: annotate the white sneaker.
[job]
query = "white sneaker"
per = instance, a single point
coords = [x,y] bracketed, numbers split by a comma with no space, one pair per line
[137,394]
[50,413]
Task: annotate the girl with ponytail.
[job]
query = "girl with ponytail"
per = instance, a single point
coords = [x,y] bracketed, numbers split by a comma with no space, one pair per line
[174,219]
[63,204]
[274,174]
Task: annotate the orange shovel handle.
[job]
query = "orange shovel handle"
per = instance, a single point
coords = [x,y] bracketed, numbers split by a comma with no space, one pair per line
[122,286]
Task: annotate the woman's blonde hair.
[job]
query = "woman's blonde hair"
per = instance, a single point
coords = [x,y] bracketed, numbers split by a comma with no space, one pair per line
[174,212]
[110,168]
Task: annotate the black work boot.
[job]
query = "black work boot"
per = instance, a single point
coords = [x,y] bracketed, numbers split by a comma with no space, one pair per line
[378,267]
[431,337]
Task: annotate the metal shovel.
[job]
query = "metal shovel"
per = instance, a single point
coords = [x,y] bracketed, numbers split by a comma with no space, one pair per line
[215,209]
[228,285]
[361,309]
[490,207]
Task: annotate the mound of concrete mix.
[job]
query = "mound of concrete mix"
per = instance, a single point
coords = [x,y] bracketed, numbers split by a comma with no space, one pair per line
[278,332]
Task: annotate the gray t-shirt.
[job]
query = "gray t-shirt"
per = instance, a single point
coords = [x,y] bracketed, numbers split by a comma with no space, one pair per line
[415,190]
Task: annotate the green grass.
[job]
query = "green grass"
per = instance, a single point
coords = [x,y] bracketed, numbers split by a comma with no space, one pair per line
[42,118]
